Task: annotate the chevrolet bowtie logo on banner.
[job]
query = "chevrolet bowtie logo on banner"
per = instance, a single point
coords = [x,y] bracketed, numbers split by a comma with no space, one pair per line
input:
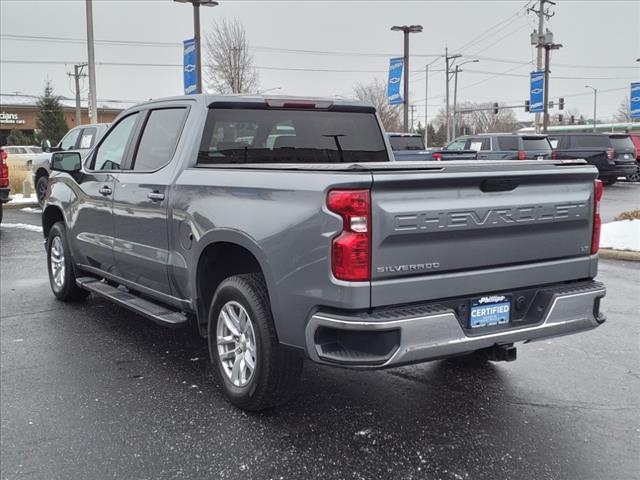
[396,66]
[536,92]
[634,100]
[190,66]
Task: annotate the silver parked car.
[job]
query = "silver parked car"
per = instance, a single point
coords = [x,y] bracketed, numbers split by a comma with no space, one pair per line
[81,138]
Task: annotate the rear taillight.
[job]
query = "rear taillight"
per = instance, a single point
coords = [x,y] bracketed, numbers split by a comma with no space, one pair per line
[4,169]
[351,249]
[522,155]
[597,196]
[611,153]
[436,156]
[554,155]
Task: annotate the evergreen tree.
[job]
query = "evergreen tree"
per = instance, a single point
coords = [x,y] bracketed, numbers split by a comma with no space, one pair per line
[16,137]
[431,135]
[50,122]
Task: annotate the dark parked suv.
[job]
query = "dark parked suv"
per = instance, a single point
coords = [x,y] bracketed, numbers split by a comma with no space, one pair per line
[505,146]
[611,154]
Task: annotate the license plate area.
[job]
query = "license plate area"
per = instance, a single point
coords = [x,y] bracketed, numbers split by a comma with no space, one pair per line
[489,311]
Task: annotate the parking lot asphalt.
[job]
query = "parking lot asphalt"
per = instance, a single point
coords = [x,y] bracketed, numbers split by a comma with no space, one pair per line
[92,391]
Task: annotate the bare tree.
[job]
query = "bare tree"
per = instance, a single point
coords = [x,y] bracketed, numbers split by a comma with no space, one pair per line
[481,121]
[375,92]
[229,63]
[624,111]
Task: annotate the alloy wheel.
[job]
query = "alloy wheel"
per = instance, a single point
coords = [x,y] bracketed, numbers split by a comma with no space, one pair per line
[236,343]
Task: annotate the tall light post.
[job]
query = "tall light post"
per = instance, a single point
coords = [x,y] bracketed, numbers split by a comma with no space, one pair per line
[595,102]
[455,96]
[93,96]
[406,30]
[196,35]
[547,48]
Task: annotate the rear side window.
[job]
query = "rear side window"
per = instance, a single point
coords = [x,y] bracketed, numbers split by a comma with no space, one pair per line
[591,141]
[622,143]
[478,143]
[88,137]
[457,144]
[536,143]
[159,138]
[508,143]
[257,135]
[406,143]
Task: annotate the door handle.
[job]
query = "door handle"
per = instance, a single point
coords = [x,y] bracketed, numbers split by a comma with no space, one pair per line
[155,196]
[105,190]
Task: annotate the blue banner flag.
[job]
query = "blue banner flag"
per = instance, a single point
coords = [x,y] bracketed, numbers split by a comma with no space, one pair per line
[396,66]
[536,92]
[189,68]
[634,100]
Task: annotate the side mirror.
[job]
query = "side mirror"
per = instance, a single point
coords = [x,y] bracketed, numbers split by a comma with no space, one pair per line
[69,162]
[46,145]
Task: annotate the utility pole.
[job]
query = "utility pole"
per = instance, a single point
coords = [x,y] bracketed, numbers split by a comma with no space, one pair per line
[595,102]
[455,97]
[413,107]
[540,42]
[406,30]
[77,73]
[426,104]
[447,57]
[93,96]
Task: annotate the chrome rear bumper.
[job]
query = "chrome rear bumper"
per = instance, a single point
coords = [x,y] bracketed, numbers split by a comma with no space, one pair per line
[421,333]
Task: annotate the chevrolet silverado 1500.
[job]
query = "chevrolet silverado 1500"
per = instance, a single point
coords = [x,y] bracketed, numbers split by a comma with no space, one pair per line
[280,230]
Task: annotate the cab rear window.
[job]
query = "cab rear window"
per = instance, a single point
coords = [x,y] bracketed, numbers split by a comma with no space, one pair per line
[536,143]
[263,135]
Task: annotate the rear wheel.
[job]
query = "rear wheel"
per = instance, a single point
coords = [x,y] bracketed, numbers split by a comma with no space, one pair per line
[634,177]
[41,188]
[608,181]
[255,372]
[62,276]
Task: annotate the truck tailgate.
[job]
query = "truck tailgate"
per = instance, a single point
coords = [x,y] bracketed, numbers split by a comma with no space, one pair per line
[473,220]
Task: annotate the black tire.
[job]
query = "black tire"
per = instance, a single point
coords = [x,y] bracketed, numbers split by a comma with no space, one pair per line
[634,177]
[608,181]
[41,188]
[65,289]
[277,371]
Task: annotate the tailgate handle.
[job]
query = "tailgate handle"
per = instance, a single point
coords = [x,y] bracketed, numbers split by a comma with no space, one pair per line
[499,184]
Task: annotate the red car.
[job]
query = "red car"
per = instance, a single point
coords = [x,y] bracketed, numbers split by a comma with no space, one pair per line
[635,138]
[4,179]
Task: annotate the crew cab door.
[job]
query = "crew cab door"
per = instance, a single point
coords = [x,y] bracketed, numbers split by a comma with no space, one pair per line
[141,196]
[92,224]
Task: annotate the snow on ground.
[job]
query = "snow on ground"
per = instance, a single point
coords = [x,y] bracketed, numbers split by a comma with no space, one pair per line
[19,199]
[31,210]
[621,235]
[22,226]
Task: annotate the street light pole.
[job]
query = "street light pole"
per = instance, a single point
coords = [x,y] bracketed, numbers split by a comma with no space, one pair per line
[406,30]
[455,96]
[196,35]
[547,48]
[93,96]
[426,105]
[595,101]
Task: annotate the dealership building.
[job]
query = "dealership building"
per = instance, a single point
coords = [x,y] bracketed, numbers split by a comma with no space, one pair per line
[21,111]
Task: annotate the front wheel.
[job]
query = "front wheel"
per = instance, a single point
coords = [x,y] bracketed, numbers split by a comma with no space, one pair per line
[41,188]
[62,277]
[255,372]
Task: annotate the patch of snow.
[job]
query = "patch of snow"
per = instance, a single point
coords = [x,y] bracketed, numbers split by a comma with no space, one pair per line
[22,226]
[31,210]
[621,235]
[19,199]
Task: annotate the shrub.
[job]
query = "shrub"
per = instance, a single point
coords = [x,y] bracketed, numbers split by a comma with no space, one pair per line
[16,179]
[630,215]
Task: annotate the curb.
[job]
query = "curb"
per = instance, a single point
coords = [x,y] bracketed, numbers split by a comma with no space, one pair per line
[628,255]
[10,205]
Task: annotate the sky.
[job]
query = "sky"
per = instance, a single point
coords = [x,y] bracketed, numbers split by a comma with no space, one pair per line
[342,42]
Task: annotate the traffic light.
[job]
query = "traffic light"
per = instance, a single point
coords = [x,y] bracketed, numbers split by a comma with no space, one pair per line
[561,103]
[495,108]
[527,106]
[560,119]
[551,103]
[572,119]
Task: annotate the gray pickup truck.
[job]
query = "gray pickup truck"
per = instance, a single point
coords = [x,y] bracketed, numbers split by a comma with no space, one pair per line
[279,244]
